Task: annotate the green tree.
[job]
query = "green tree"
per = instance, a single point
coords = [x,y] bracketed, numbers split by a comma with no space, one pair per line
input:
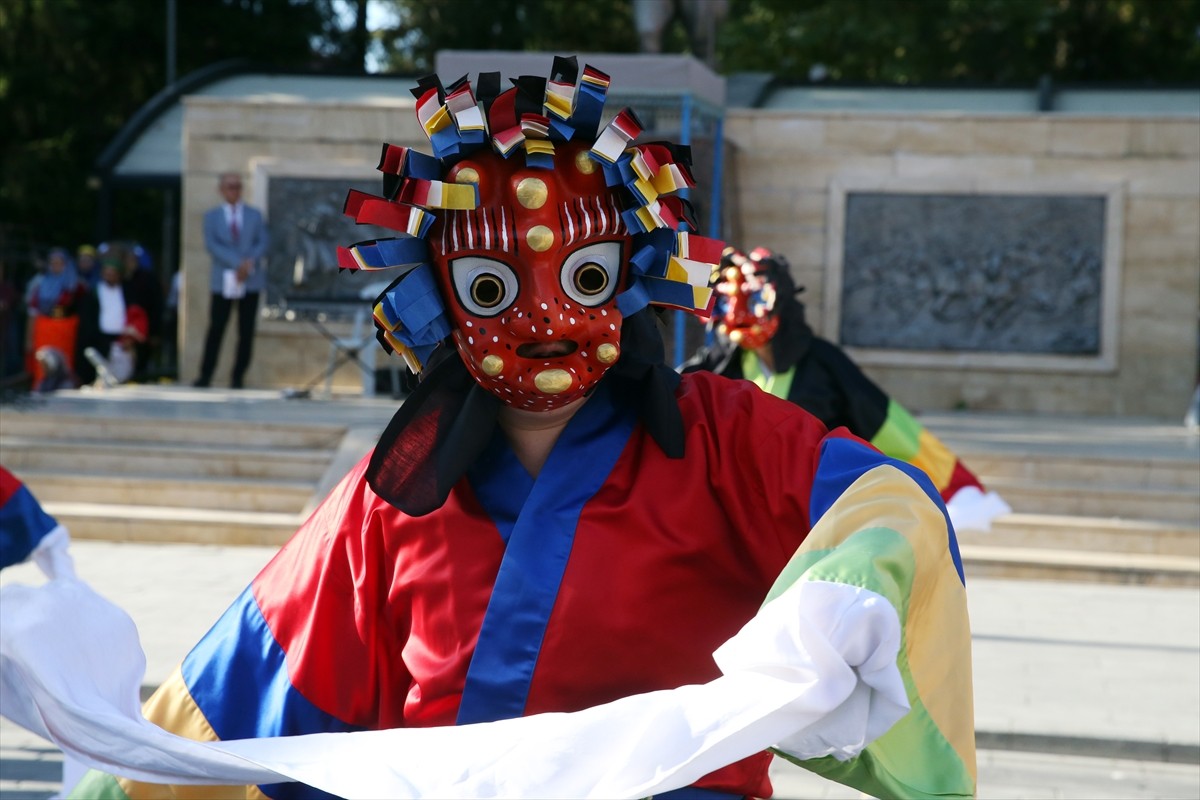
[560,26]
[976,41]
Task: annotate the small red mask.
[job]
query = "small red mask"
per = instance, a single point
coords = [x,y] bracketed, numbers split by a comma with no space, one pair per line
[531,275]
[746,305]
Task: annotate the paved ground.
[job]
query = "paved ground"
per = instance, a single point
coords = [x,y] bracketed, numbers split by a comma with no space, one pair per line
[1081,691]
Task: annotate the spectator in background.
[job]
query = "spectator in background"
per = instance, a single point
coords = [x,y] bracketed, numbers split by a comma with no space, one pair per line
[104,327]
[56,290]
[116,367]
[235,236]
[52,298]
[142,289]
[87,263]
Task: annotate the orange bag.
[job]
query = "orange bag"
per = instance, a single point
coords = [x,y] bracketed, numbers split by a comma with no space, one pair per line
[59,332]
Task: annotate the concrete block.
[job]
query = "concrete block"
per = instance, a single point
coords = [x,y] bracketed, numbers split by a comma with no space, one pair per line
[963,167]
[1089,137]
[936,136]
[851,134]
[1178,249]
[767,132]
[1164,137]
[1162,215]
[1011,137]
[1151,177]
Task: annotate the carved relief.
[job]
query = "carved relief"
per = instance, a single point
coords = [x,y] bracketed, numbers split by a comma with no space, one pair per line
[988,273]
[307,226]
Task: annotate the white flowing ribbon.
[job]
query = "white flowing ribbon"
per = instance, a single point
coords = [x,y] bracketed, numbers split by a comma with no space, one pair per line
[814,672]
[973,510]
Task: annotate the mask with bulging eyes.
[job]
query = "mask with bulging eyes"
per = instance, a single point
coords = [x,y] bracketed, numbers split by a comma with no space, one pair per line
[745,305]
[532,274]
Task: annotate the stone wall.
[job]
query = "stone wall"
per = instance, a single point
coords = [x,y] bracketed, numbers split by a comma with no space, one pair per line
[791,173]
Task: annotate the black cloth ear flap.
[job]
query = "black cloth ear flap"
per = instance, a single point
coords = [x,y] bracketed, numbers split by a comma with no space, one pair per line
[794,337]
[436,434]
[642,379]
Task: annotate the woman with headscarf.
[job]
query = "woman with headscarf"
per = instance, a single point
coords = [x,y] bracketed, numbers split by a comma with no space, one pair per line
[53,298]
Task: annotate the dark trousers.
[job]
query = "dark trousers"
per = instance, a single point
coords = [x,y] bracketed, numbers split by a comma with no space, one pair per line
[218,318]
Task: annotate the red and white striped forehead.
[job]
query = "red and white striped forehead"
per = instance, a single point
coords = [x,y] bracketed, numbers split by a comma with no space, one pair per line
[528,211]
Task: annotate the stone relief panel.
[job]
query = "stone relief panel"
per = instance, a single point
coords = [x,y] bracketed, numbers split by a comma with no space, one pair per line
[989,273]
[307,226]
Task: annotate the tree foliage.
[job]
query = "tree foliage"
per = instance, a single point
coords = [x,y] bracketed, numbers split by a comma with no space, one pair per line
[72,72]
[560,26]
[972,41]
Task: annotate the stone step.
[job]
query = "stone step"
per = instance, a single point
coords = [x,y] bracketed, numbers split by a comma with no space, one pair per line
[1132,473]
[242,494]
[147,458]
[1177,504]
[138,523]
[1088,534]
[83,428]
[1036,563]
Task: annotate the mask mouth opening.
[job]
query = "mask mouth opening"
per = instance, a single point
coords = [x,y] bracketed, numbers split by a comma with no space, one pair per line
[556,349]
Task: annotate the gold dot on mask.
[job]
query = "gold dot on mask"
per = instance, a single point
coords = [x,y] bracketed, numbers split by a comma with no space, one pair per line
[607,353]
[467,175]
[540,238]
[532,193]
[492,365]
[585,163]
[553,381]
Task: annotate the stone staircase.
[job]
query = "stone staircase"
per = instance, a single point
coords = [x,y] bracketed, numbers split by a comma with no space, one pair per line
[1120,510]
[1098,500]
[162,470]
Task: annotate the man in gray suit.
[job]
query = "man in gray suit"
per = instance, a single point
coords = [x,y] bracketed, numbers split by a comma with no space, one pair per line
[235,236]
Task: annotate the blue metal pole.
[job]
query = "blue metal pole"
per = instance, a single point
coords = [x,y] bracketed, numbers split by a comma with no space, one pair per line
[715,228]
[714,216]
[685,138]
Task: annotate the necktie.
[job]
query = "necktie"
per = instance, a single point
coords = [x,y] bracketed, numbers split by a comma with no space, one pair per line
[233,226]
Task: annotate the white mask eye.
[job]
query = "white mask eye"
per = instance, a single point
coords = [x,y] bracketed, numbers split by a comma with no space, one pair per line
[589,275]
[484,286]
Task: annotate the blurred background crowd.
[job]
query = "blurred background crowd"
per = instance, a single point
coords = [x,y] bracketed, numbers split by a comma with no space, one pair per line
[86,315]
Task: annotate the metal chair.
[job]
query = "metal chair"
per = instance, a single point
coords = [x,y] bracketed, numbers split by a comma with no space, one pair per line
[361,347]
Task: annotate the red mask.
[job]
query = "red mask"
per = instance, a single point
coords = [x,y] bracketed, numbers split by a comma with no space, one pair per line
[746,305]
[531,275]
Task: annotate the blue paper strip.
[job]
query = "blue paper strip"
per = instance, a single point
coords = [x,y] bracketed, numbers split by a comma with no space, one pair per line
[421,165]
[633,299]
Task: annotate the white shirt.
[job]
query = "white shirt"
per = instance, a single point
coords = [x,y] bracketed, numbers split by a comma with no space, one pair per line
[234,213]
[112,308]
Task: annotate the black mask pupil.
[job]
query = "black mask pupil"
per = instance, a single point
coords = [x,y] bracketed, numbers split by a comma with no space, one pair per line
[486,291]
[591,279]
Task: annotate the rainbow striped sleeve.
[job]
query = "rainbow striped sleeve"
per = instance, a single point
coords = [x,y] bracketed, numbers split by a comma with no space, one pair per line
[879,524]
[901,436]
